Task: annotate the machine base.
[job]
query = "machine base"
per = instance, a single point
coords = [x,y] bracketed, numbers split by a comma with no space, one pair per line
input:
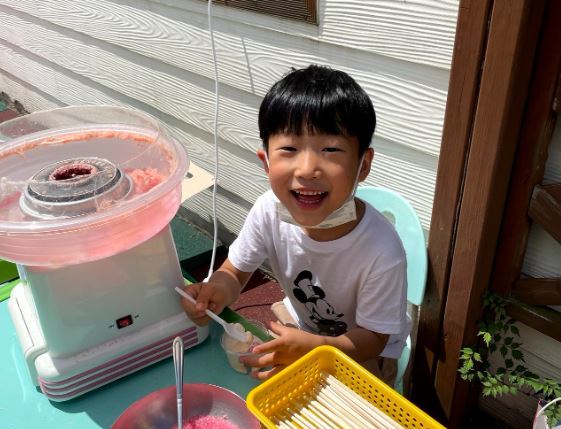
[64,378]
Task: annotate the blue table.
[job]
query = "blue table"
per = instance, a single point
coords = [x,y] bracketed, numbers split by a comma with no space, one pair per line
[23,406]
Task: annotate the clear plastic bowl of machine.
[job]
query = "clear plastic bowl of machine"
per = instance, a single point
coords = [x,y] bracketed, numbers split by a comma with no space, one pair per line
[60,205]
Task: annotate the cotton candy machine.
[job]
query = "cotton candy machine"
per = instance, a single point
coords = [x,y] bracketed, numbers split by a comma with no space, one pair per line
[86,197]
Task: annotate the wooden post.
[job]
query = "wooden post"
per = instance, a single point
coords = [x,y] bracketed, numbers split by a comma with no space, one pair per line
[513,35]
[471,38]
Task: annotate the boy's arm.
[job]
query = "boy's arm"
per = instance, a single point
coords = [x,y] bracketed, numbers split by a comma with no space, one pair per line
[221,290]
[292,343]
[359,343]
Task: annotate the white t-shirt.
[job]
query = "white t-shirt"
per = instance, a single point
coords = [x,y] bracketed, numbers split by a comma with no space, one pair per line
[333,286]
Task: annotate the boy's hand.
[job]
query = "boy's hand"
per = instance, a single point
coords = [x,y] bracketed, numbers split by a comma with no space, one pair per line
[210,296]
[291,344]
[222,289]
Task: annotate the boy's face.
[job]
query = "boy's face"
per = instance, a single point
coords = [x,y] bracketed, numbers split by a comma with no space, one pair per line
[313,175]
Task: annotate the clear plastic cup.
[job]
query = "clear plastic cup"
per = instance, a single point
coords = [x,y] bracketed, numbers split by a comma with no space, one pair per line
[234,357]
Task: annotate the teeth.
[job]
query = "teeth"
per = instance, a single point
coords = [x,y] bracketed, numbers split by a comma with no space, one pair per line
[309,193]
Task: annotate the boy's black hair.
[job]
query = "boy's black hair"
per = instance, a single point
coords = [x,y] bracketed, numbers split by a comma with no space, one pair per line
[320,100]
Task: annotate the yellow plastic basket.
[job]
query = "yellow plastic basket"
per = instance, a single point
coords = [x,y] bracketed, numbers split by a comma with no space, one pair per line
[271,399]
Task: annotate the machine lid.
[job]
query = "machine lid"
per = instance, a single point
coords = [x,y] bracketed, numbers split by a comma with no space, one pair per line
[85,182]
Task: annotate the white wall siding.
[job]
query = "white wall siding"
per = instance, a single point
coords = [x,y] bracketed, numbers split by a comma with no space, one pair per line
[416,31]
[155,55]
[543,254]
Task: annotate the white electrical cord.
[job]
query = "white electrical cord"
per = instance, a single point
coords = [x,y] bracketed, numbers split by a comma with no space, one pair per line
[215,133]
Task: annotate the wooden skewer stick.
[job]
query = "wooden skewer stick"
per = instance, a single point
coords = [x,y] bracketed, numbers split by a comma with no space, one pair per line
[281,424]
[339,418]
[357,401]
[319,408]
[301,420]
[339,408]
[346,409]
[322,423]
[288,421]
[371,416]
[304,422]
[319,419]
[362,405]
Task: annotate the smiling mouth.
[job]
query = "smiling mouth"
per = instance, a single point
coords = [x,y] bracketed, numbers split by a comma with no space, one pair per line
[309,198]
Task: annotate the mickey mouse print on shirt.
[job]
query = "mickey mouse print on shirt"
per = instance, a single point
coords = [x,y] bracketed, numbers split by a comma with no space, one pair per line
[322,313]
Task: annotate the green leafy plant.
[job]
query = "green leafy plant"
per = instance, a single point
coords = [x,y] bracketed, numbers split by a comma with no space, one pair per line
[498,333]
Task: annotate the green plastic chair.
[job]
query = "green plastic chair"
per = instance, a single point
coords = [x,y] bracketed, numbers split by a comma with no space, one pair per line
[399,212]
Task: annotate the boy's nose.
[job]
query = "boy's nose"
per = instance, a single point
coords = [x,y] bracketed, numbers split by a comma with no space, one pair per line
[308,166]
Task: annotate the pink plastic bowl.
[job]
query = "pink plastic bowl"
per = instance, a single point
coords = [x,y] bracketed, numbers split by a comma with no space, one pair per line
[158,410]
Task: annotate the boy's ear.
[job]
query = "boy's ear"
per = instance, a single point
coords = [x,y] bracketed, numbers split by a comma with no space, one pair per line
[366,163]
[262,155]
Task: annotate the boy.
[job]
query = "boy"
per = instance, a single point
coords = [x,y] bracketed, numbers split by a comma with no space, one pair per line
[339,261]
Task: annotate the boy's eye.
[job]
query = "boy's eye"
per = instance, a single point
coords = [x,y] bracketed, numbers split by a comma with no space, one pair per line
[332,149]
[288,149]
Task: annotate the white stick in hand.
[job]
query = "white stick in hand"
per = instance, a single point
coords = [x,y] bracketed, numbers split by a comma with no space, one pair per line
[228,327]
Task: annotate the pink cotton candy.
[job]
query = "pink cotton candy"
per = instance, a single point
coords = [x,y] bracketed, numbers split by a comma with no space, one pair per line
[207,422]
[145,179]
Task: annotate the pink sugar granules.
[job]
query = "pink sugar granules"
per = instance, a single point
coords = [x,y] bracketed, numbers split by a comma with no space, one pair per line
[207,422]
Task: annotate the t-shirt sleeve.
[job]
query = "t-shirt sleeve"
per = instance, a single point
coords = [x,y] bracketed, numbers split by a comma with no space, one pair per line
[248,251]
[382,301]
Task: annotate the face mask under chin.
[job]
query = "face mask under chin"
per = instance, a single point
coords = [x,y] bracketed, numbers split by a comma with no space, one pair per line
[344,214]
